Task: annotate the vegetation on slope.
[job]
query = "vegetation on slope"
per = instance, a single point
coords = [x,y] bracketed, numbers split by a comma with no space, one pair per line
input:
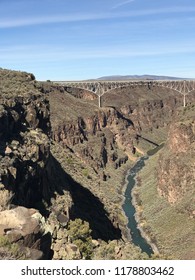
[167,215]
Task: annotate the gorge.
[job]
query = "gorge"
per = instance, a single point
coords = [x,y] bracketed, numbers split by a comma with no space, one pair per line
[63,162]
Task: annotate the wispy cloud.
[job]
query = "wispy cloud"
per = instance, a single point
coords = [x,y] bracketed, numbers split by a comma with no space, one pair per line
[122,4]
[78,17]
[17,22]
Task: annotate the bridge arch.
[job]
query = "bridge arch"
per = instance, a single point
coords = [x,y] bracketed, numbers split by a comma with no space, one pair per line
[99,88]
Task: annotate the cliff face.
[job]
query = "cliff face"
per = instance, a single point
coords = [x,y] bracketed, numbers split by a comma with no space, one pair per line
[147,107]
[153,114]
[24,143]
[176,175]
[24,156]
[95,138]
[181,137]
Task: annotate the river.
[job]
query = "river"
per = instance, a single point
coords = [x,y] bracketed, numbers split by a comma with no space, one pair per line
[129,209]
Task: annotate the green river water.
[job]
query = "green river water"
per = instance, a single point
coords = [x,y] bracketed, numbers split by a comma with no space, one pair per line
[129,209]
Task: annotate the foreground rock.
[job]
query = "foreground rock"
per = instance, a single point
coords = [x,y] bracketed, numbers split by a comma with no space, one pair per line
[26,229]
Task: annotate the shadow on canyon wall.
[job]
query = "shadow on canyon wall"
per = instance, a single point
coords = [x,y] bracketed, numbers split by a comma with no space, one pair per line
[86,206]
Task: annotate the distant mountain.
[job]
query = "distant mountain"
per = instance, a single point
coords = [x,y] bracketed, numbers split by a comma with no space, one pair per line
[137,77]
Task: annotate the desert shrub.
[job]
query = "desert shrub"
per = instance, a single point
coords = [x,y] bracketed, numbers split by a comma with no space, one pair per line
[85,172]
[79,233]
[106,251]
[8,250]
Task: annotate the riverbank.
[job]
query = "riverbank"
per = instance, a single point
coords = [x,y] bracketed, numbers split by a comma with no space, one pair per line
[135,202]
[138,219]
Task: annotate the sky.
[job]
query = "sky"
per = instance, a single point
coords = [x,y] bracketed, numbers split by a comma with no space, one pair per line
[86,39]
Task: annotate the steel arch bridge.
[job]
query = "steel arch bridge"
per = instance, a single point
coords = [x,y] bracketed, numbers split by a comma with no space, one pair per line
[99,88]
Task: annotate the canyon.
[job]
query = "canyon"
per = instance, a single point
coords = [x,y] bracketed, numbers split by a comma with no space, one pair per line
[63,163]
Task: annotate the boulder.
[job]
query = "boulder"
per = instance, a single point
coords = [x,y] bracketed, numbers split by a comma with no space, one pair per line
[26,228]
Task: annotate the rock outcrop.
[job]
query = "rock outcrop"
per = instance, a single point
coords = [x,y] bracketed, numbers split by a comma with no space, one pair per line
[24,142]
[176,166]
[24,156]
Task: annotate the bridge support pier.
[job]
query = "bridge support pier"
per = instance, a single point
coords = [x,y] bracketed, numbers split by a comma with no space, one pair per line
[184,100]
[99,101]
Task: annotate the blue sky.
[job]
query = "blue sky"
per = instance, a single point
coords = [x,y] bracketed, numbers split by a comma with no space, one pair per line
[83,39]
